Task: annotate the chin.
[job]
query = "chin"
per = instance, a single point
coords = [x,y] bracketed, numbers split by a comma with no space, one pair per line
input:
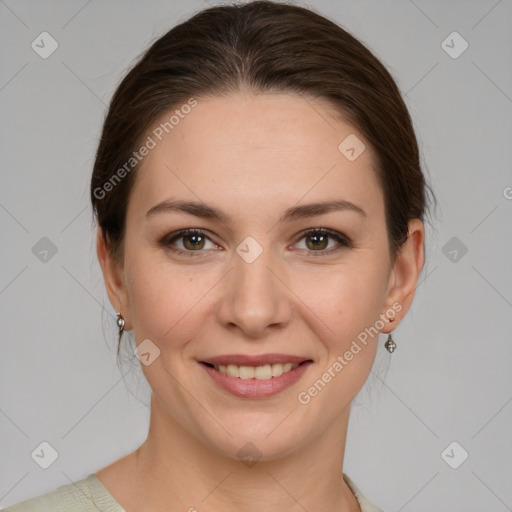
[258,437]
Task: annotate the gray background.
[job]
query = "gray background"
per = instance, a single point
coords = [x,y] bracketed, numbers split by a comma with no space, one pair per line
[449,379]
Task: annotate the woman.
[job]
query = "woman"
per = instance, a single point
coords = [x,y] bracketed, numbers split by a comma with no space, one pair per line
[260,207]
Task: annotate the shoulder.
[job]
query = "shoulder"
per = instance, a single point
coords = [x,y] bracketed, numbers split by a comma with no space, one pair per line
[364,504]
[87,495]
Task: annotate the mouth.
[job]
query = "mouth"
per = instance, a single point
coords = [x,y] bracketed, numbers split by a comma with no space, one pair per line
[255,376]
[262,372]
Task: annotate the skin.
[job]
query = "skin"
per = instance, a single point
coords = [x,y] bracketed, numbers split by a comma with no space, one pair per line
[252,156]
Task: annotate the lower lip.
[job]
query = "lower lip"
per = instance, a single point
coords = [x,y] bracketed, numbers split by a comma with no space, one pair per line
[254,388]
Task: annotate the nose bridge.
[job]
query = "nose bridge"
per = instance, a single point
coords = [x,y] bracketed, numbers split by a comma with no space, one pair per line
[256,298]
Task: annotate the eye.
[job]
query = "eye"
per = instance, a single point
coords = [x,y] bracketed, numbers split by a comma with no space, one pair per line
[317,241]
[191,240]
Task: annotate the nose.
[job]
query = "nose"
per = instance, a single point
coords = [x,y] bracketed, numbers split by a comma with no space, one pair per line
[255,298]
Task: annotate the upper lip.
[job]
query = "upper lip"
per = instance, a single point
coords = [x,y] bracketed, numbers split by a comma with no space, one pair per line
[258,360]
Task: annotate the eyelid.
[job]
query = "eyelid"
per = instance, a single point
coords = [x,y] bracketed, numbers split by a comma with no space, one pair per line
[176,235]
[342,240]
[332,233]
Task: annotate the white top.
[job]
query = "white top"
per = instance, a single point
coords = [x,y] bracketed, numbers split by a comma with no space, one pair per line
[90,495]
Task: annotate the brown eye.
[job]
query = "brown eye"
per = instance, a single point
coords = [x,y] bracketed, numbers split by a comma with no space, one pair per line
[188,242]
[318,241]
[193,242]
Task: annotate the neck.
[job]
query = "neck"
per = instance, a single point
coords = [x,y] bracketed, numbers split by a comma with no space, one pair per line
[173,471]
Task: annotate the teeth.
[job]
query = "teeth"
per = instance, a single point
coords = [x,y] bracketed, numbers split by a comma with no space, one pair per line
[255,372]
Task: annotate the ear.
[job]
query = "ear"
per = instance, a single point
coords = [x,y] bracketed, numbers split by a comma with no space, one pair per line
[404,276]
[113,276]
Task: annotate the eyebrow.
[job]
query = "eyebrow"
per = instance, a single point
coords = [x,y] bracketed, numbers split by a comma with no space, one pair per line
[205,211]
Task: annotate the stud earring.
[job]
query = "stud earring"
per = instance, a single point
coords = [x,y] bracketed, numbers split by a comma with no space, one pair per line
[390,344]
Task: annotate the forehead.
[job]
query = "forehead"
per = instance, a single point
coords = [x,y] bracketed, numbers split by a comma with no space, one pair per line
[250,150]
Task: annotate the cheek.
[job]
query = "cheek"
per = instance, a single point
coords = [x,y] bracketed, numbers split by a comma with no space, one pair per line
[163,299]
[351,306]
[348,301]
[347,296]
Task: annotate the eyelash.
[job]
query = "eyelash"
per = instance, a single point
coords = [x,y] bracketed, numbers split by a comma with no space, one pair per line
[342,240]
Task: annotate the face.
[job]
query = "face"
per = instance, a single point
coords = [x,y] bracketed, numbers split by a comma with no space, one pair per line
[264,274]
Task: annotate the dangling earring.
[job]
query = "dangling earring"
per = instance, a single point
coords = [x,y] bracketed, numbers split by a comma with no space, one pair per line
[120,324]
[390,344]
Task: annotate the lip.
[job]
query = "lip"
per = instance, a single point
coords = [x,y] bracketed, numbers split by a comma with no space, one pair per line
[255,388]
[259,360]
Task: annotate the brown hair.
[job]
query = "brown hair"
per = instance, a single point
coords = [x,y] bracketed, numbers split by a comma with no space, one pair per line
[265,47]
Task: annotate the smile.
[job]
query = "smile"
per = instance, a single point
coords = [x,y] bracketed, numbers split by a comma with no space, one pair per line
[252,379]
[265,372]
